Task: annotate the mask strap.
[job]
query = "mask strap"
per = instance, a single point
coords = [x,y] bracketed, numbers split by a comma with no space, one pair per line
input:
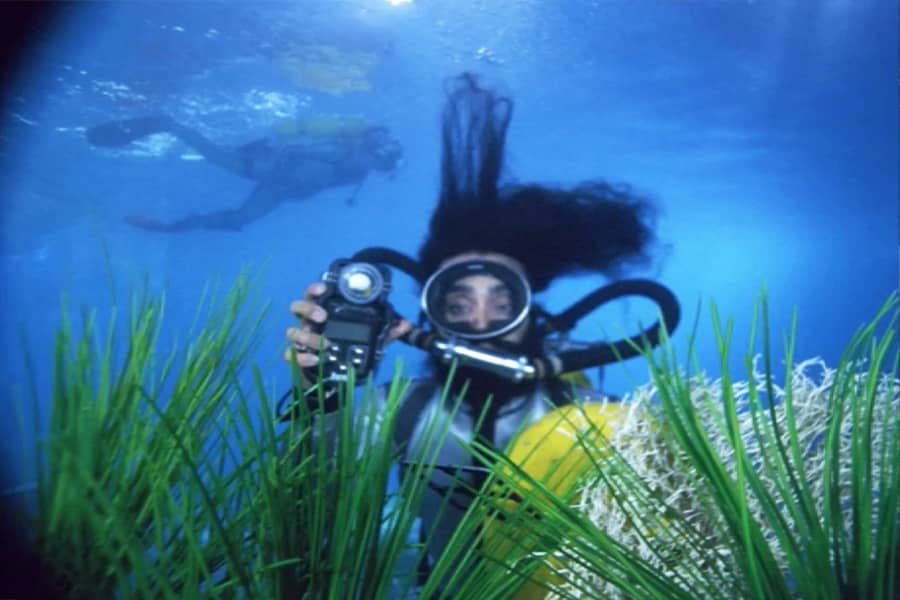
[378,254]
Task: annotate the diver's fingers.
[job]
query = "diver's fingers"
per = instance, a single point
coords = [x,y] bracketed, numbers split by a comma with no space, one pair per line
[304,359]
[305,345]
[399,330]
[308,311]
[314,290]
[305,340]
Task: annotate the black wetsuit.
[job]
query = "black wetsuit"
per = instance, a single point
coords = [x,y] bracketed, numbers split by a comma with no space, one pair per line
[424,416]
[285,170]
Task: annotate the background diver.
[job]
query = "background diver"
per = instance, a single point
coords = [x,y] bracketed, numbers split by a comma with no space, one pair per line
[284,167]
[488,248]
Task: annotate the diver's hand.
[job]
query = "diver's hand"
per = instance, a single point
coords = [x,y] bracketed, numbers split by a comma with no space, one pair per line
[397,331]
[305,343]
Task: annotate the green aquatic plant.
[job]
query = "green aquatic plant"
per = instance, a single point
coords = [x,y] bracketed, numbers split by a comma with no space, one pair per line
[163,474]
[730,488]
[121,501]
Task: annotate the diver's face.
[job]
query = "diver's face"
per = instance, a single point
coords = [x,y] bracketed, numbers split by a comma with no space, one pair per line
[481,300]
[476,301]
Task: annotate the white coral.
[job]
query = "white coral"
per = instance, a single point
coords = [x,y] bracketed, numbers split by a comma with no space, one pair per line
[640,441]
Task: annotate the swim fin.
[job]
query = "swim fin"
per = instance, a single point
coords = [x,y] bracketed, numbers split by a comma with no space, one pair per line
[116,134]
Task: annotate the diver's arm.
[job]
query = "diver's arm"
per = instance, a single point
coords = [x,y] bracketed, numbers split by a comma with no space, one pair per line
[118,134]
[222,157]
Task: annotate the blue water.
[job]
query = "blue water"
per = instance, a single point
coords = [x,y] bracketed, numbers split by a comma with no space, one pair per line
[767,132]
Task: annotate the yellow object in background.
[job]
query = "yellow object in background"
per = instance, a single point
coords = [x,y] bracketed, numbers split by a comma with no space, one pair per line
[334,125]
[556,451]
[327,68]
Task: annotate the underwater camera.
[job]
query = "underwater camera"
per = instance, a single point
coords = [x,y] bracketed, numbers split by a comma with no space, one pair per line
[359,317]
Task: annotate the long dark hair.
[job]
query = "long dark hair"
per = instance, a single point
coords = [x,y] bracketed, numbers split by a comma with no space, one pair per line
[551,231]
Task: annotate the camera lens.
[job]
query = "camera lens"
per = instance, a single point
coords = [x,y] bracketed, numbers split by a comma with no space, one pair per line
[360,283]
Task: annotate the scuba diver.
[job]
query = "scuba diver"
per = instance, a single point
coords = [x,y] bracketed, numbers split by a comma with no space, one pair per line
[489,248]
[290,168]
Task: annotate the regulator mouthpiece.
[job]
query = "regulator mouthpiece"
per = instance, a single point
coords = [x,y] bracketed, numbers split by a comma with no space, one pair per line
[510,367]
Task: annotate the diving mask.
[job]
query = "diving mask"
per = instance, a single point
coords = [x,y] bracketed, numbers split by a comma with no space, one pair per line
[476,299]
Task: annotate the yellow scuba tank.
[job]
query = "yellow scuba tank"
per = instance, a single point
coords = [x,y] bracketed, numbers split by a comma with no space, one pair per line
[322,126]
[556,451]
[328,68]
